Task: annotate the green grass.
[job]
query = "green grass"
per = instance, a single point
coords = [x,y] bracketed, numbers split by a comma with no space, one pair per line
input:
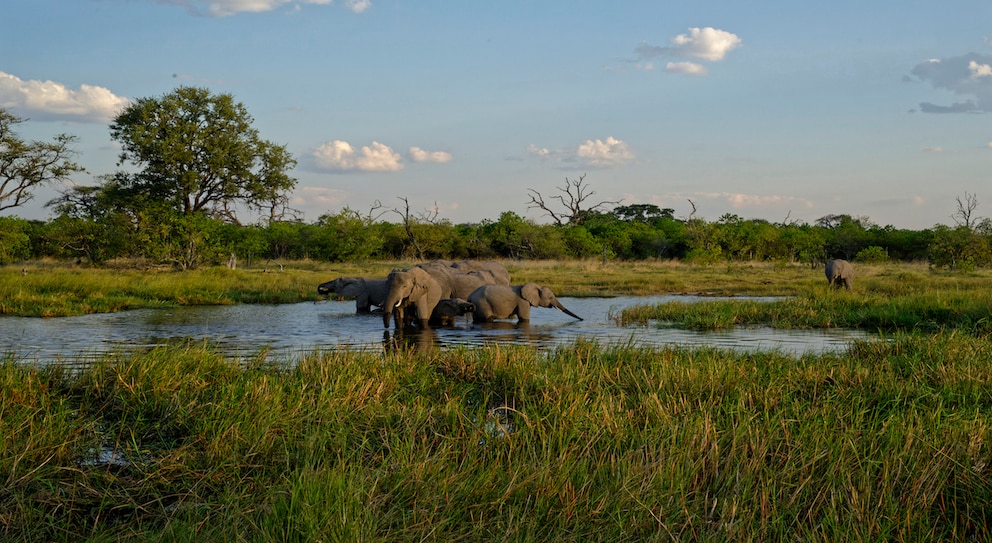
[888,441]
[924,304]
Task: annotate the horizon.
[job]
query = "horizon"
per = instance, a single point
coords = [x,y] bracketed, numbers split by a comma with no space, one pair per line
[767,112]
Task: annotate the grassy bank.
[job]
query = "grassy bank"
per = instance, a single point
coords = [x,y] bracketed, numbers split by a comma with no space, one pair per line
[53,290]
[890,441]
[892,298]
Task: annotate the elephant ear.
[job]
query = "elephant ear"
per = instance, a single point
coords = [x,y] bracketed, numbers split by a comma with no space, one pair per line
[532,293]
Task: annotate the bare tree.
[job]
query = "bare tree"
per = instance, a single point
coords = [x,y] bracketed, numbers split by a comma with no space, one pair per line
[427,216]
[574,194]
[25,166]
[965,214]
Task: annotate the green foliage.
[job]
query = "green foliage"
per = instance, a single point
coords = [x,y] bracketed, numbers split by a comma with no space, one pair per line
[15,242]
[959,248]
[872,255]
[198,152]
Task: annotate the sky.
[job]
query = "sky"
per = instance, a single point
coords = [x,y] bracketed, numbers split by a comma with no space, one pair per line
[777,110]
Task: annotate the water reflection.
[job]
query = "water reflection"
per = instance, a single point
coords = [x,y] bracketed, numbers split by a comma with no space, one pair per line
[290,329]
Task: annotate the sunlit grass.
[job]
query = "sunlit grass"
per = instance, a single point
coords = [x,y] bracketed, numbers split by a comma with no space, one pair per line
[888,441]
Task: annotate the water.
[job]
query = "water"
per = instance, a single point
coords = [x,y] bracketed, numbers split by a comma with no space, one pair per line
[289,330]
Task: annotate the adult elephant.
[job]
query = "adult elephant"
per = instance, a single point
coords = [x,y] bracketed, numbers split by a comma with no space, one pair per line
[840,273]
[498,272]
[366,292]
[457,283]
[406,288]
[504,302]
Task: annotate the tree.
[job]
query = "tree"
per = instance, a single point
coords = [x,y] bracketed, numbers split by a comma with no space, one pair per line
[642,213]
[573,198]
[25,166]
[965,214]
[198,152]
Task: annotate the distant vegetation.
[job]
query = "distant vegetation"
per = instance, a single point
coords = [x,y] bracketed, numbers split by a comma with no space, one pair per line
[195,162]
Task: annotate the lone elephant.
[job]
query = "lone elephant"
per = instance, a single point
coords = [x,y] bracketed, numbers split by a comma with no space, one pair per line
[449,309]
[839,273]
[366,292]
[406,288]
[504,302]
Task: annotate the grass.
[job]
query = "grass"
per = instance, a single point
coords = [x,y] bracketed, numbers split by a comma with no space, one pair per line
[886,301]
[889,441]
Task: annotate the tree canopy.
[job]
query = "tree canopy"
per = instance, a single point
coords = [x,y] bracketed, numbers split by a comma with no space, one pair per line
[198,152]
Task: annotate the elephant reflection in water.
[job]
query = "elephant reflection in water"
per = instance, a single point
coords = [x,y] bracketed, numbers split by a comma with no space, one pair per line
[403,340]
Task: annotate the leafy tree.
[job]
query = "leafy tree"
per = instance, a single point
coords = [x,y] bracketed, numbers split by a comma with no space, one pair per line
[642,213]
[15,242]
[959,248]
[198,152]
[25,166]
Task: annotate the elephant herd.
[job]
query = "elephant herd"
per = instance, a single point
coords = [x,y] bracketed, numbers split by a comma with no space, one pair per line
[436,293]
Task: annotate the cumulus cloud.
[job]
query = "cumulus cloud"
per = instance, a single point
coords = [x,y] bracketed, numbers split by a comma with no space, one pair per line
[688,68]
[607,153]
[417,154]
[340,156]
[969,76]
[707,44]
[604,154]
[48,100]
[224,8]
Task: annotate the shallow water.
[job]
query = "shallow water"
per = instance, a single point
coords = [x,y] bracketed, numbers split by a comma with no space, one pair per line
[288,330]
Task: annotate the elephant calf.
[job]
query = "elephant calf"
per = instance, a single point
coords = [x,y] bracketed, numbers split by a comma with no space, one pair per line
[449,309]
[494,302]
[839,273]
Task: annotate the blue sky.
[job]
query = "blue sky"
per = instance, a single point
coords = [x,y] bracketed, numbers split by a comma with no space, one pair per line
[769,109]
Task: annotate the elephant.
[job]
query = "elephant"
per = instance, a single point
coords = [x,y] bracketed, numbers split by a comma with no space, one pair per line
[503,302]
[449,309]
[839,273]
[410,287]
[498,272]
[456,283]
[367,292]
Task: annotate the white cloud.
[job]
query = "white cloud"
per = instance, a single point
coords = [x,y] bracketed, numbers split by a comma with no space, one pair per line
[591,153]
[340,156]
[599,153]
[417,154]
[706,43]
[979,70]
[224,8]
[932,149]
[48,100]
[688,68]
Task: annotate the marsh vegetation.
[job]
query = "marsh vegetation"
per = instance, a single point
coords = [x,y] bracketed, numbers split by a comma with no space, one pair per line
[888,440]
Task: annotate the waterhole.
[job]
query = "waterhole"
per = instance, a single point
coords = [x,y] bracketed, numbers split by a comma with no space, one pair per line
[289,330]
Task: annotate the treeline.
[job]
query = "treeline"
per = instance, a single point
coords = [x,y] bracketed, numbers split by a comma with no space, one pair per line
[625,233]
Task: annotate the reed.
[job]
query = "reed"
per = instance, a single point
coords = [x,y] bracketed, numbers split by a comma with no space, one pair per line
[887,441]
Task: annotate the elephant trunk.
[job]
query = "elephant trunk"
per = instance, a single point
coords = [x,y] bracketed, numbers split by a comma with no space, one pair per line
[388,307]
[566,311]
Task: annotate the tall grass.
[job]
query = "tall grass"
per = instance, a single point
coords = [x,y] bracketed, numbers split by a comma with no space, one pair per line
[888,441]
